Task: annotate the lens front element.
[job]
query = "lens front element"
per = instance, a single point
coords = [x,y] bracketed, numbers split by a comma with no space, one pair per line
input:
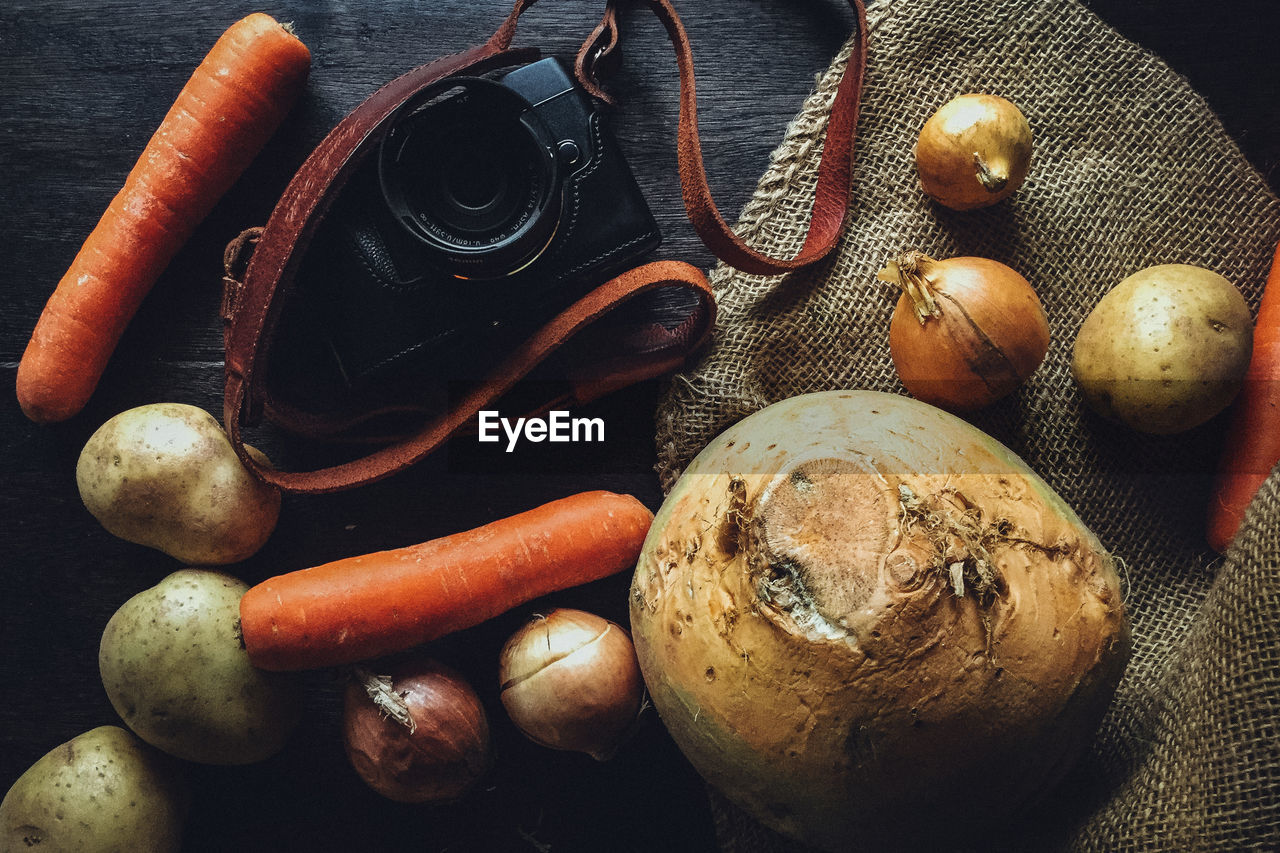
[470,170]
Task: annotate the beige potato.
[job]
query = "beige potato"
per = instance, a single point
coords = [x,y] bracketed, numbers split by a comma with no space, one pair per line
[1165,350]
[175,669]
[165,475]
[100,792]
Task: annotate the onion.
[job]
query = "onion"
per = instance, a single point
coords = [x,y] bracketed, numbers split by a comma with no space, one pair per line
[966,331]
[417,733]
[974,151]
[570,680]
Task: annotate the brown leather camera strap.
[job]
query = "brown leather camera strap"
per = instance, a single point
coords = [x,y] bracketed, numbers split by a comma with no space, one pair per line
[399,455]
[252,303]
[831,196]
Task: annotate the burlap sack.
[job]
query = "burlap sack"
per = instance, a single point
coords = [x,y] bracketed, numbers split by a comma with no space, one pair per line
[1131,169]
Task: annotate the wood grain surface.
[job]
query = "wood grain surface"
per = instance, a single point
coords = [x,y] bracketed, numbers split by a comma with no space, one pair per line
[82,86]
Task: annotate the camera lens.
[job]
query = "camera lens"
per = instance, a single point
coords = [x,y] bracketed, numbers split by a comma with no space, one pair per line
[479,186]
[472,189]
[470,171]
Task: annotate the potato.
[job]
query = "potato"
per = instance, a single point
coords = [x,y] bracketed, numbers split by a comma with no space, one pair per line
[175,669]
[165,475]
[102,791]
[1165,350]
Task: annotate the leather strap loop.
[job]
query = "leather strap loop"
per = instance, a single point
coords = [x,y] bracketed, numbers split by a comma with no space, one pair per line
[600,55]
[395,457]
[835,169]
[296,216]
[252,315]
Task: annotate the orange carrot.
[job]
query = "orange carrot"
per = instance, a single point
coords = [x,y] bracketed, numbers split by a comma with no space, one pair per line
[222,117]
[368,606]
[1252,444]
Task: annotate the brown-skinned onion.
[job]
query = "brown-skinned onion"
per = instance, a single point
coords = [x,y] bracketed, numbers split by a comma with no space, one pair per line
[415,731]
[974,151]
[966,331]
[570,680]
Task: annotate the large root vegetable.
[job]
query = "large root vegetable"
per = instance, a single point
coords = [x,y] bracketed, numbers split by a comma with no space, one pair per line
[865,621]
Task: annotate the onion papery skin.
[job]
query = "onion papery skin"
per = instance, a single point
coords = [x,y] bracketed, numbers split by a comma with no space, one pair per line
[988,335]
[796,618]
[974,151]
[570,681]
[440,756]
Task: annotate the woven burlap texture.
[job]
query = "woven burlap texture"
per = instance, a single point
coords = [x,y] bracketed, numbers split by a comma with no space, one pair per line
[1131,169]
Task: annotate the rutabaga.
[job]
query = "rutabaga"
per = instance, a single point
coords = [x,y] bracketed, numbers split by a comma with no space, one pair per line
[868,623]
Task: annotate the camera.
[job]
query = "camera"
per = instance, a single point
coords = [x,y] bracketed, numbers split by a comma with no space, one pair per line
[490,204]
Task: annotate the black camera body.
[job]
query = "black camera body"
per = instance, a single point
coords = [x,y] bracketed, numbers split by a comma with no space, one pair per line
[490,205]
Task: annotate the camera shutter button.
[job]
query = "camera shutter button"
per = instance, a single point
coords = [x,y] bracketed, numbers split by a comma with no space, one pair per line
[568,151]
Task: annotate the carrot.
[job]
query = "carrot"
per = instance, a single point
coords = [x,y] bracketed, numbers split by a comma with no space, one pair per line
[372,605]
[1252,443]
[222,117]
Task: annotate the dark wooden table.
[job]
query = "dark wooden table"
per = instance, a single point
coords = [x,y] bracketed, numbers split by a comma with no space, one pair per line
[82,85]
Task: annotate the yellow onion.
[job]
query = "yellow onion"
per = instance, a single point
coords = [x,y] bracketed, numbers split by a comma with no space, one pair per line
[966,331]
[570,680]
[974,151]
